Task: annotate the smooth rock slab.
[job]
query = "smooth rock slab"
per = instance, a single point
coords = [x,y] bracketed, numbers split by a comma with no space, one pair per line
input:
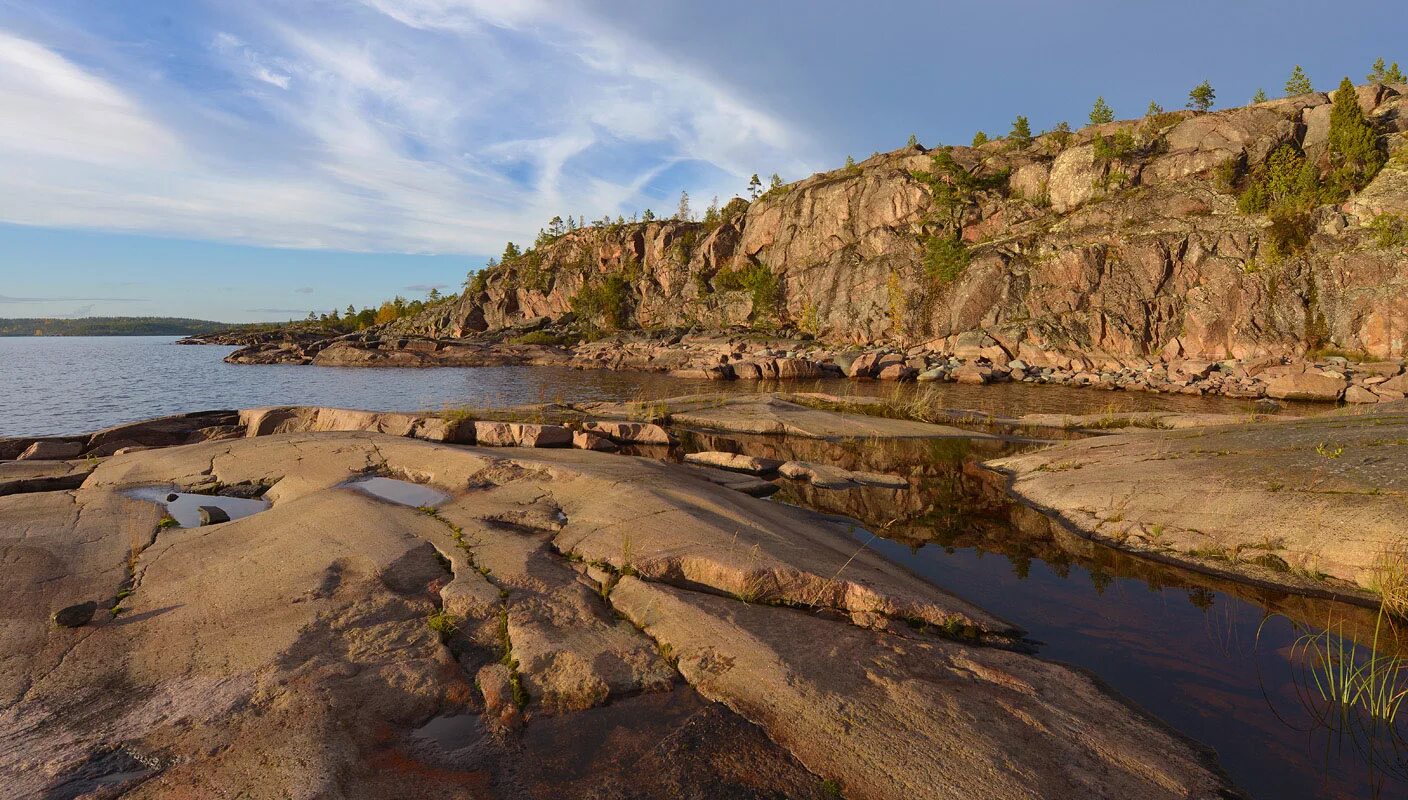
[588,440]
[1307,386]
[735,462]
[891,717]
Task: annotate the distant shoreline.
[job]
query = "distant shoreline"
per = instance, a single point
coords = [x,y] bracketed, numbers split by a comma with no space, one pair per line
[38,327]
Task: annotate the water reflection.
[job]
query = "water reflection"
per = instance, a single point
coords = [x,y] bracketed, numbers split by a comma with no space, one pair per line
[1225,663]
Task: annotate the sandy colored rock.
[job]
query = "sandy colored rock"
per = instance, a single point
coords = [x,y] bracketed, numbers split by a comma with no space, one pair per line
[520,434]
[18,477]
[51,451]
[630,432]
[1307,386]
[1326,491]
[735,462]
[892,717]
[774,415]
[589,440]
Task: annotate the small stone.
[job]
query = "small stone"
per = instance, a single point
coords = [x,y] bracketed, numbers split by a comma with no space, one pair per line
[212,515]
[75,616]
[173,497]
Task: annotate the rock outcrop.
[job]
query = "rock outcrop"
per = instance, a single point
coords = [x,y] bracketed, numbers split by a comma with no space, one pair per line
[387,651]
[1313,503]
[1092,250]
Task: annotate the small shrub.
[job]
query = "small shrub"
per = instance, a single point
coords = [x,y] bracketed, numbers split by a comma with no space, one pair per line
[1390,230]
[980,139]
[443,623]
[544,338]
[1117,146]
[945,258]
[759,281]
[606,301]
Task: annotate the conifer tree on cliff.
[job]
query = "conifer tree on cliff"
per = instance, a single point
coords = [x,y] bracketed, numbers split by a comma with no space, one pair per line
[1201,97]
[1298,83]
[1354,148]
[1021,134]
[1101,113]
[1389,74]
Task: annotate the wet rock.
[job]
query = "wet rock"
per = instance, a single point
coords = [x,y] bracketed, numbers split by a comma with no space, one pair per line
[212,515]
[735,462]
[737,481]
[75,616]
[520,434]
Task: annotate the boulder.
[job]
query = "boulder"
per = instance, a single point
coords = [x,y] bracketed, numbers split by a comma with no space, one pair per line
[735,462]
[896,372]
[51,451]
[972,374]
[631,432]
[521,434]
[1307,386]
[212,515]
[590,440]
[1358,394]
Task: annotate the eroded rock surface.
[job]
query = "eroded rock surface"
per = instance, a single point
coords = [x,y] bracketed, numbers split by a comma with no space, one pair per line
[1296,501]
[332,627]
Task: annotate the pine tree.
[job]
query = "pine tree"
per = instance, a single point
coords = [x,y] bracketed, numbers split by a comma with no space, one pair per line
[980,139]
[434,294]
[850,162]
[711,214]
[351,311]
[1298,83]
[1390,74]
[1101,112]
[511,252]
[648,215]
[1259,97]
[755,187]
[1354,148]
[1201,97]
[1153,110]
[1021,134]
[683,213]
[556,227]
[775,182]
[913,141]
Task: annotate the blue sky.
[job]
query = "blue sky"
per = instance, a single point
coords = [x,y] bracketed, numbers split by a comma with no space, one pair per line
[256,159]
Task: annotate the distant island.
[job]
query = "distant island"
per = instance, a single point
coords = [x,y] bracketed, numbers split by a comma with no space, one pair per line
[113,326]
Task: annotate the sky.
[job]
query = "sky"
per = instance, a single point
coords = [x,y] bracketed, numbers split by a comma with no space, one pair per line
[248,160]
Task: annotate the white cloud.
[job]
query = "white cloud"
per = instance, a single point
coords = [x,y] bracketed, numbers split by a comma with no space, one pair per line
[405,125]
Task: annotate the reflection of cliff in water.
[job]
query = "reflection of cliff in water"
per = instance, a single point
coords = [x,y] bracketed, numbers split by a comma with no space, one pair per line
[954,503]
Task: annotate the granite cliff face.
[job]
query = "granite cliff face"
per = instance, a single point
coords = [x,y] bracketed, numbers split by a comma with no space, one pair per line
[1122,256]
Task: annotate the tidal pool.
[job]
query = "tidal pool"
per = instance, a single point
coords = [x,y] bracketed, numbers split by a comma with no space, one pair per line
[185,508]
[395,490]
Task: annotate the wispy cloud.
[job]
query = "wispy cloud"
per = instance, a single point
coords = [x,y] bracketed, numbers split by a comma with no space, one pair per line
[304,290]
[9,299]
[425,287]
[397,125]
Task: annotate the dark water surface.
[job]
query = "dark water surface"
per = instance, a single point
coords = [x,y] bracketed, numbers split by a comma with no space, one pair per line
[1224,663]
[65,385]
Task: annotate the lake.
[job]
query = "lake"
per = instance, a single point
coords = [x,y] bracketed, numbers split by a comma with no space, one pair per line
[66,385]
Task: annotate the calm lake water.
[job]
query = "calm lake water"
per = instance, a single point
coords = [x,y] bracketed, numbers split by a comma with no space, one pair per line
[64,385]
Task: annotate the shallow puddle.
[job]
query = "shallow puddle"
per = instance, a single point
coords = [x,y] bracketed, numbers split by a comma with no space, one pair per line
[394,490]
[185,507]
[451,732]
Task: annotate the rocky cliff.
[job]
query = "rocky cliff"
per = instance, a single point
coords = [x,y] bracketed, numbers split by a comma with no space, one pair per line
[1120,242]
